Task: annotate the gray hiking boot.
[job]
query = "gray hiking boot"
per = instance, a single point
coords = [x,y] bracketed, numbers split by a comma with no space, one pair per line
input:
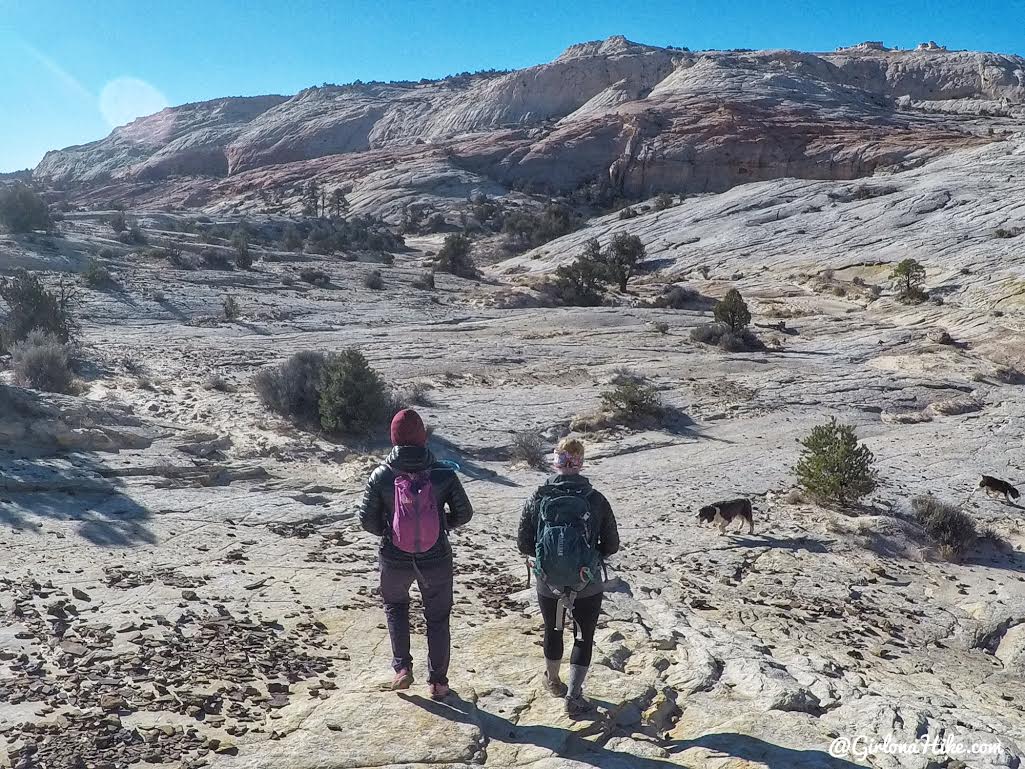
[578,706]
[554,686]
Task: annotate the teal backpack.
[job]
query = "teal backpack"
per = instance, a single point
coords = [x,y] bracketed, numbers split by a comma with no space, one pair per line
[566,557]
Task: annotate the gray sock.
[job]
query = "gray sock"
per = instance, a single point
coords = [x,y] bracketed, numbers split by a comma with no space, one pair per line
[553,667]
[577,674]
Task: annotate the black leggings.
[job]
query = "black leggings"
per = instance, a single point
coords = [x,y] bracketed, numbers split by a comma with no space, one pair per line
[585,616]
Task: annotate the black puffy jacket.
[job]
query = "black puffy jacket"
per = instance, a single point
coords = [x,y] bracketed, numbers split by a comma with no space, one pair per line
[608,530]
[378,506]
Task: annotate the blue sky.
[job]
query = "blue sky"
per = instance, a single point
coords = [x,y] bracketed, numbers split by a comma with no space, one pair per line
[71,69]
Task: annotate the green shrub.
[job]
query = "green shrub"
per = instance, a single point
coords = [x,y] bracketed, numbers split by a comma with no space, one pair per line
[292,388]
[373,280]
[231,308]
[489,213]
[425,281]
[720,335]
[315,277]
[413,216]
[708,333]
[735,341]
[834,467]
[678,297]
[291,240]
[660,326]
[182,260]
[31,306]
[580,284]
[454,257]
[353,397]
[412,394]
[22,210]
[240,242]
[41,361]
[732,311]
[627,213]
[96,275]
[527,229]
[214,259]
[632,401]
[625,375]
[218,383]
[358,233]
[529,447]
[118,223]
[1008,374]
[947,525]
[663,201]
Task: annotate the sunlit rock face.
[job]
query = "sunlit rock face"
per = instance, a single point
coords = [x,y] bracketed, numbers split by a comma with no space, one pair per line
[640,118]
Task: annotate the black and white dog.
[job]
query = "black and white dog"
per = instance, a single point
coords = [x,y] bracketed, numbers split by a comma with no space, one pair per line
[722,514]
[994,487]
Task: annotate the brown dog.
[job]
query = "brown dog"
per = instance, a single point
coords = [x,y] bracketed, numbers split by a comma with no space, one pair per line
[722,514]
[994,487]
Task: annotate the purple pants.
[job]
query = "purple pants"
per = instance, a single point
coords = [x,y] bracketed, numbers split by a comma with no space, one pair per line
[435,581]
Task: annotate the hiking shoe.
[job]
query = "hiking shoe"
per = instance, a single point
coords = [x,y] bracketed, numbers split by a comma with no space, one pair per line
[555,688]
[578,706]
[403,679]
[439,691]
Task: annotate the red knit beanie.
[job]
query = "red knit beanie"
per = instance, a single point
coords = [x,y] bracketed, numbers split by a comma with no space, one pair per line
[407,429]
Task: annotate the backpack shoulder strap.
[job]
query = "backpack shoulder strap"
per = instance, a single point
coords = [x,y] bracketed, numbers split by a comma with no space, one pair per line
[408,473]
[551,490]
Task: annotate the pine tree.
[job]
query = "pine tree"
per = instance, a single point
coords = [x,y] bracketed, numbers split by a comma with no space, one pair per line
[22,210]
[732,311]
[621,258]
[339,204]
[311,198]
[240,240]
[454,257]
[908,276]
[118,223]
[833,466]
[353,397]
[291,240]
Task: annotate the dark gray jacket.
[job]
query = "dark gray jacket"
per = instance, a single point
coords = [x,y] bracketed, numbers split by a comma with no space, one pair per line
[378,506]
[608,531]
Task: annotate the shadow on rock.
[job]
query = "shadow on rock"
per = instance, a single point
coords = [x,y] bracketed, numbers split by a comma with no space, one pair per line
[72,490]
[54,468]
[756,751]
[447,451]
[763,540]
[565,743]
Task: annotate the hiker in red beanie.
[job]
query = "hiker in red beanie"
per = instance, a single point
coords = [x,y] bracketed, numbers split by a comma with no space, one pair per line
[410,502]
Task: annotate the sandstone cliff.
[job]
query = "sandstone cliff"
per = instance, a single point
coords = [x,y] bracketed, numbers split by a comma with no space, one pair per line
[640,118]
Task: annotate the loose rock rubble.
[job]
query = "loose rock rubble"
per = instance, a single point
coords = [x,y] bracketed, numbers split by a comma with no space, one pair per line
[102,742]
[217,668]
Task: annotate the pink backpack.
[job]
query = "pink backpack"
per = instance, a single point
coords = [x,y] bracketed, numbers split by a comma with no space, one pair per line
[416,525]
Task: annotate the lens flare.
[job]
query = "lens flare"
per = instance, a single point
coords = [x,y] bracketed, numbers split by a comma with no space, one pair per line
[126,98]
